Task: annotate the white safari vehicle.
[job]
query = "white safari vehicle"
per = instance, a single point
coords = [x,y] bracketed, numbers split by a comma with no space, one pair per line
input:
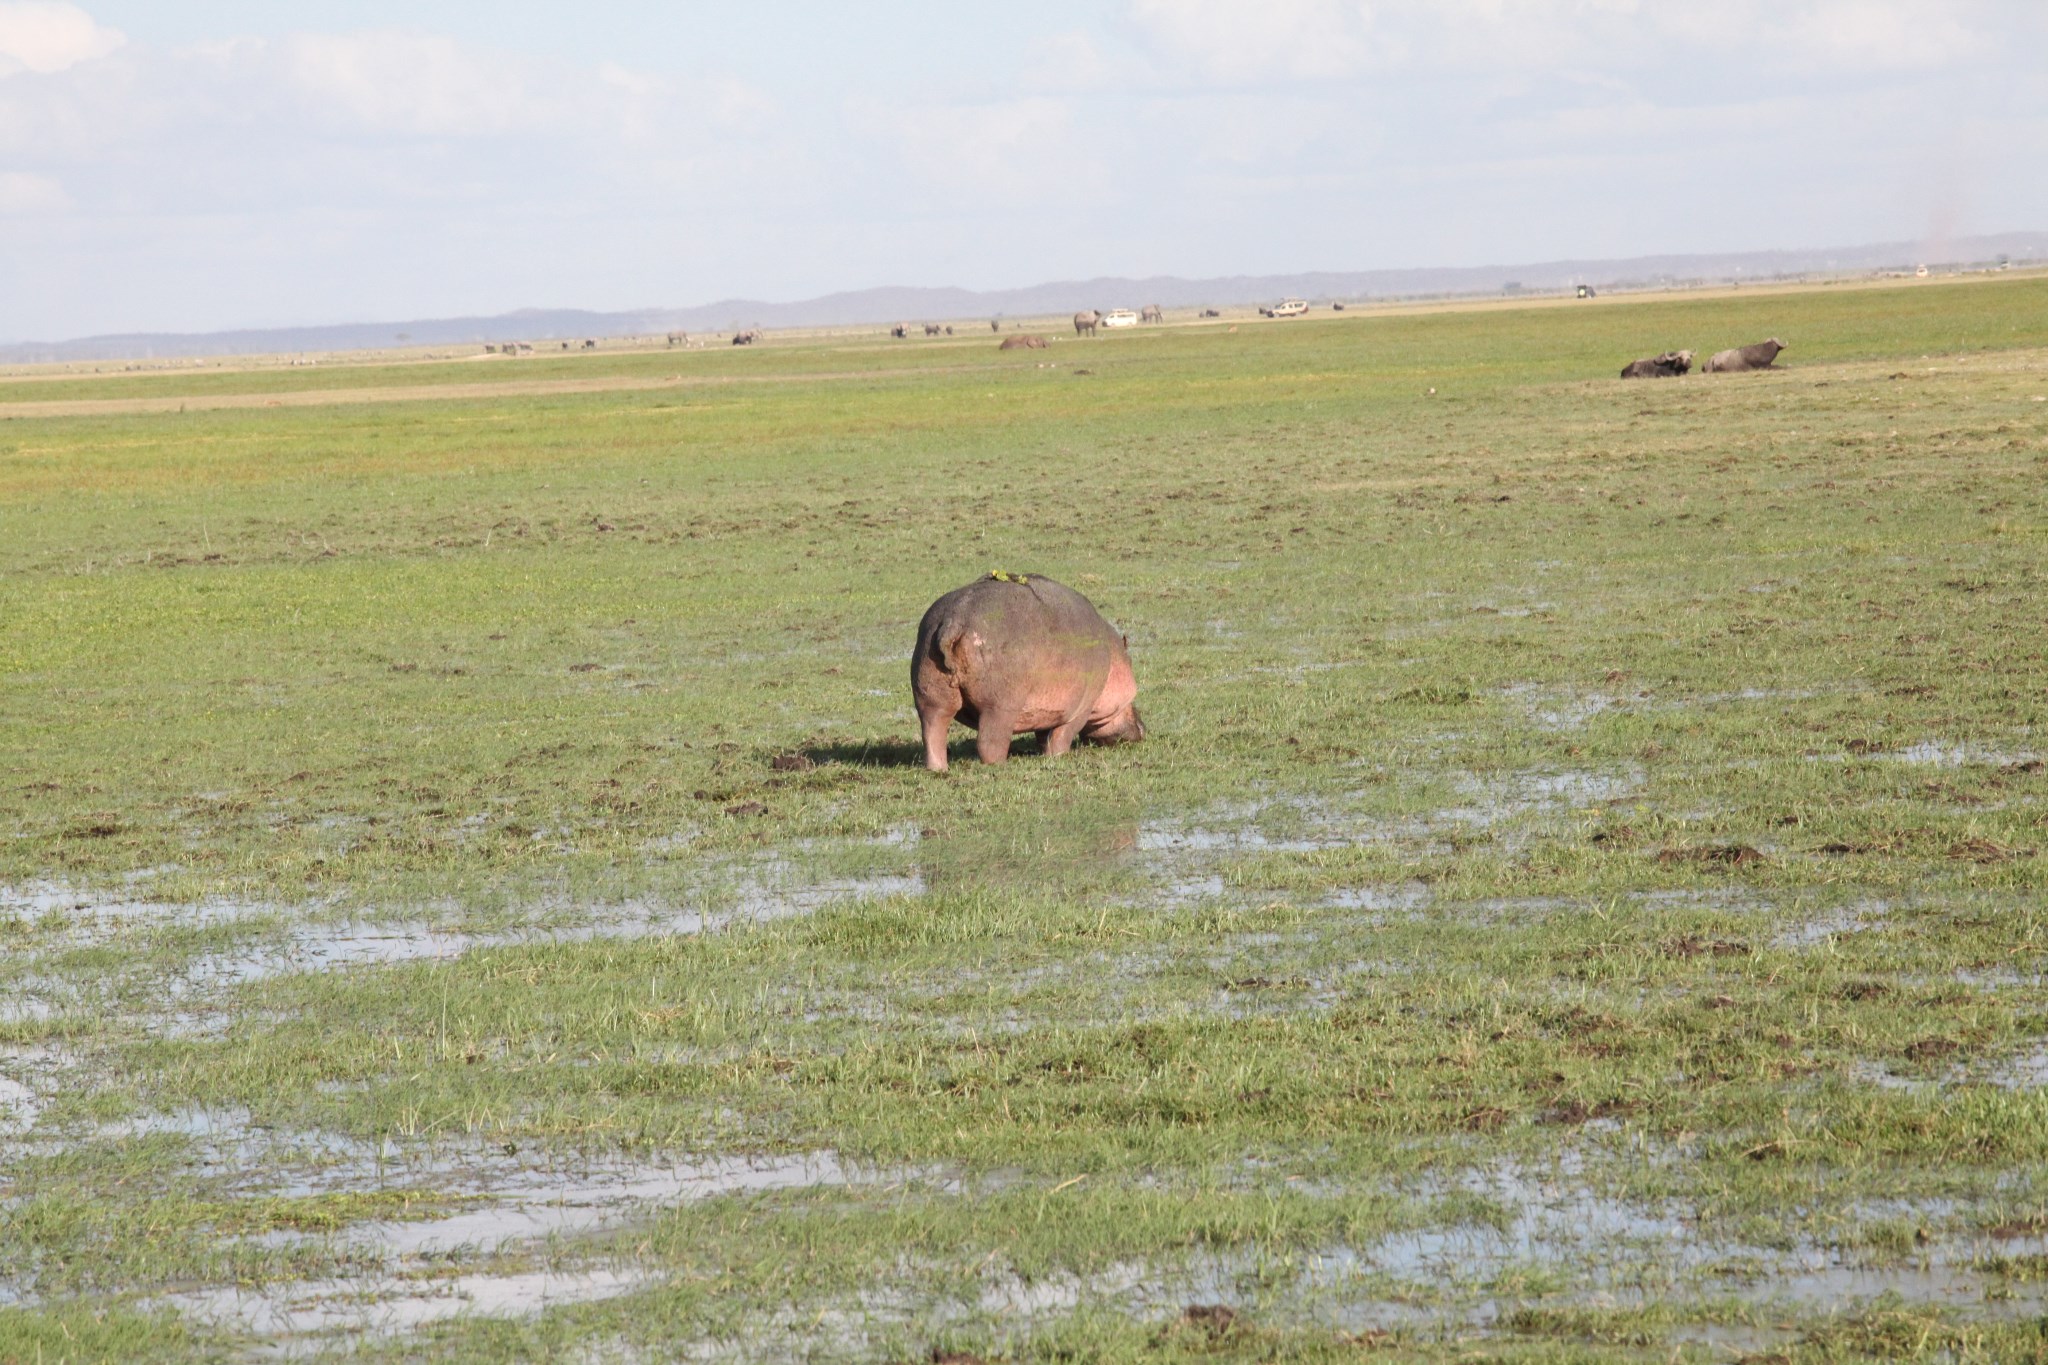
[1293,308]
[1119,317]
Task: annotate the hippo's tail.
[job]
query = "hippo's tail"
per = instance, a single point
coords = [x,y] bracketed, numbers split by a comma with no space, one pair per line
[948,649]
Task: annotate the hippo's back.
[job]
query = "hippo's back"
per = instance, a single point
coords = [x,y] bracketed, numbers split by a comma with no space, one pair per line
[1016,613]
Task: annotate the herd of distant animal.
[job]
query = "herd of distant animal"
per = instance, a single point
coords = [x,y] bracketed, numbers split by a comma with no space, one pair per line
[1761,355]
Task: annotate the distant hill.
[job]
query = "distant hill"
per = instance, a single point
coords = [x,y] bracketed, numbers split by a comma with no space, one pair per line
[907,304]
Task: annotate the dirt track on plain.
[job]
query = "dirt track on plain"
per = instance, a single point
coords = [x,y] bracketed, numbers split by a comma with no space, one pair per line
[405,393]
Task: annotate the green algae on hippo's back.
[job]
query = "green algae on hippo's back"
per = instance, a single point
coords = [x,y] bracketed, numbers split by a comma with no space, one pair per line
[1012,654]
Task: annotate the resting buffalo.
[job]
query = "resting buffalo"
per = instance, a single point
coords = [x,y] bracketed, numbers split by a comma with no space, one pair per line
[1761,356]
[1659,367]
[1021,342]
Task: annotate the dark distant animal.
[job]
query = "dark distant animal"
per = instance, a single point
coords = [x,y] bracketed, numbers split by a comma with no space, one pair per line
[1084,323]
[1211,313]
[1665,366]
[994,326]
[899,330]
[1761,356]
[1020,342]
[949,329]
[1016,653]
[1336,307]
[746,338]
[931,329]
[678,338]
[589,344]
[1152,312]
[489,349]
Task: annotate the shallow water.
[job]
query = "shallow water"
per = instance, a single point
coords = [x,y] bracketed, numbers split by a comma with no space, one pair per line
[1846,919]
[356,1307]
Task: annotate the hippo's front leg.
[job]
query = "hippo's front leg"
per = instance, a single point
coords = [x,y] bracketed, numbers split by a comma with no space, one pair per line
[1058,741]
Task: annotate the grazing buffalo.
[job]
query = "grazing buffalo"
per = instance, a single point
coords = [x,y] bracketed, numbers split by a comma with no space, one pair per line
[932,329]
[1760,356]
[746,338]
[1152,312]
[589,344]
[1085,323]
[900,330]
[1020,342]
[1211,313]
[1659,367]
[1012,653]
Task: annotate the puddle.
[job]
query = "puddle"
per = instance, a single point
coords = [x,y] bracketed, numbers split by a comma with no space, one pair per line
[1407,897]
[1935,753]
[1495,801]
[1558,708]
[1233,828]
[2029,1071]
[29,1075]
[355,1307]
[1847,919]
[330,947]
[540,1204]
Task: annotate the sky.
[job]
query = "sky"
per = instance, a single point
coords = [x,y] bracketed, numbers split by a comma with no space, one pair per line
[190,165]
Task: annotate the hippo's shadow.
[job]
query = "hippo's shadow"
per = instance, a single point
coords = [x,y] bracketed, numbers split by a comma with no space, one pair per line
[898,753]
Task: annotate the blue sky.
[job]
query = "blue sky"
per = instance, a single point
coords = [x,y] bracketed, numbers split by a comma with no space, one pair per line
[214,163]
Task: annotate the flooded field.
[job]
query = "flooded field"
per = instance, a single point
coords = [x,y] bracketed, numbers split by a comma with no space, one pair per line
[469,887]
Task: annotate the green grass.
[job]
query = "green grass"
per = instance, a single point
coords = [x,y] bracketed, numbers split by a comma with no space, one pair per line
[1590,829]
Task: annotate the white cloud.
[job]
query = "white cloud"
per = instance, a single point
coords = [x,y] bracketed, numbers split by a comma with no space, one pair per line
[1071,62]
[1236,42]
[22,194]
[401,82]
[1880,34]
[46,36]
[1021,150]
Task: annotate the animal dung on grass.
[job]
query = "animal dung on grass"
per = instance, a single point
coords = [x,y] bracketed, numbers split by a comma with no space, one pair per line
[1665,366]
[1017,653]
[1760,356]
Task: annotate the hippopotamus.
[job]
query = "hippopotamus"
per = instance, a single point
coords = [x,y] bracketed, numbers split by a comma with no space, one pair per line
[1659,367]
[1758,357]
[1016,652]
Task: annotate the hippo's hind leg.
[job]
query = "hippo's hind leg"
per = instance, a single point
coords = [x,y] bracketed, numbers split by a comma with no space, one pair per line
[993,741]
[936,723]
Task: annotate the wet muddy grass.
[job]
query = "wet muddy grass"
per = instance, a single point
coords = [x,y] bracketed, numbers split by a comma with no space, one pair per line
[468,886]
